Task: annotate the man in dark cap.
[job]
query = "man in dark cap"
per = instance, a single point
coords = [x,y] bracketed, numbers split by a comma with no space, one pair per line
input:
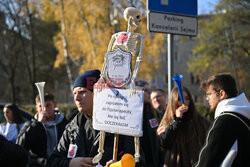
[79,143]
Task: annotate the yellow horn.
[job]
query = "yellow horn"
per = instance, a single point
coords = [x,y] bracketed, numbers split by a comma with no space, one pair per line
[117,164]
[126,161]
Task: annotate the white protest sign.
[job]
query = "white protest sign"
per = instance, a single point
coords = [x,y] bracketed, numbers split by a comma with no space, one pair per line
[115,111]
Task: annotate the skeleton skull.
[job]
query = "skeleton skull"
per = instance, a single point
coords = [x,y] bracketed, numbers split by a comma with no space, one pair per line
[133,14]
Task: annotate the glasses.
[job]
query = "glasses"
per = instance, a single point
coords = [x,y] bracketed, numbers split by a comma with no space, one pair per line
[209,94]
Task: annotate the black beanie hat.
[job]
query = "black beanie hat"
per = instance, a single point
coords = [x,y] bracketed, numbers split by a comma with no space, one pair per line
[87,79]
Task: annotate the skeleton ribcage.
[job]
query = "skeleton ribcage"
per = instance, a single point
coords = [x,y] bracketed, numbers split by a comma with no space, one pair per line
[132,45]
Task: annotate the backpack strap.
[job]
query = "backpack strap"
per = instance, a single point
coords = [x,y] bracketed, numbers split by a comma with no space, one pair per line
[234,115]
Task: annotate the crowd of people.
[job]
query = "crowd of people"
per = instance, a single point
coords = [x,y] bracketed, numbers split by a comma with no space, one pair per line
[174,134]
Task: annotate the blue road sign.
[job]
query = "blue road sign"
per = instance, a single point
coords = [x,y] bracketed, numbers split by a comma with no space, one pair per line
[179,7]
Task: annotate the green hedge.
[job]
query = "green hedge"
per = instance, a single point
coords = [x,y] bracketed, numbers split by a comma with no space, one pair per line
[202,108]
[29,109]
[63,107]
[205,110]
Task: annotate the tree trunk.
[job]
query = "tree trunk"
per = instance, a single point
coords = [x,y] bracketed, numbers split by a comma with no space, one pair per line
[33,77]
[85,21]
[65,46]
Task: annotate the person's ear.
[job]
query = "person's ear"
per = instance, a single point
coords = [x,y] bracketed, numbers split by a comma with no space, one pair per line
[223,94]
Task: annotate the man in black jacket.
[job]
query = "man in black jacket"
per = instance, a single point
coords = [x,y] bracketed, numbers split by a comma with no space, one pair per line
[40,135]
[79,143]
[227,142]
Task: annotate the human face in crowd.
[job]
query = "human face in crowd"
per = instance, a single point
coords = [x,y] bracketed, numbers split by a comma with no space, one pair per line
[186,99]
[8,114]
[147,96]
[48,112]
[158,100]
[84,100]
[212,97]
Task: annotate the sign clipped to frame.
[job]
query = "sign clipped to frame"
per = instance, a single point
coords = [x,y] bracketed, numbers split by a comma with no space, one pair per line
[117,112]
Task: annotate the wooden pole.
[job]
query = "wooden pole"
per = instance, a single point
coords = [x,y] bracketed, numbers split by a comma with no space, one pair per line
[115,150]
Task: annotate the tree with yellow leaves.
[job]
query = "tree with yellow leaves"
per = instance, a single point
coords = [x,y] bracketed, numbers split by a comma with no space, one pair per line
[89,25]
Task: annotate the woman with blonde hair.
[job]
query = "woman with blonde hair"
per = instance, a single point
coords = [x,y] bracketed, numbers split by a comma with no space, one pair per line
[182,131]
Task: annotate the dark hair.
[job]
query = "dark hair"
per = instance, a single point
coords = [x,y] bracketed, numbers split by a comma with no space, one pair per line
[221,82]
[173,105]
[17,117]
[192,114]
[159,90]
[47,97]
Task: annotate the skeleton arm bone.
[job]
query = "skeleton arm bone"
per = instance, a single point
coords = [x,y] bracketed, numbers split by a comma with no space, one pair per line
[111,42]
[98,157]
[138,61]
[114,36]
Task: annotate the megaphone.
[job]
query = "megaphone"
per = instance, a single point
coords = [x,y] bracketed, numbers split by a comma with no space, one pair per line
[40,87]
[177,80]
[127,161]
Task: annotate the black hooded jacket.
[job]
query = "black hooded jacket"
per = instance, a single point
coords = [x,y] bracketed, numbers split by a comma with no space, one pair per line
[33,137]
[81,133]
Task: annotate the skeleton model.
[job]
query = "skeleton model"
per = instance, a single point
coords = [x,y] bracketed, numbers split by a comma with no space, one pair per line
[129,42]
[122,46]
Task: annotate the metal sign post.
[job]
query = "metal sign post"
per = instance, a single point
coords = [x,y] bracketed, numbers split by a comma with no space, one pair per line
[170,62]
[172,17]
